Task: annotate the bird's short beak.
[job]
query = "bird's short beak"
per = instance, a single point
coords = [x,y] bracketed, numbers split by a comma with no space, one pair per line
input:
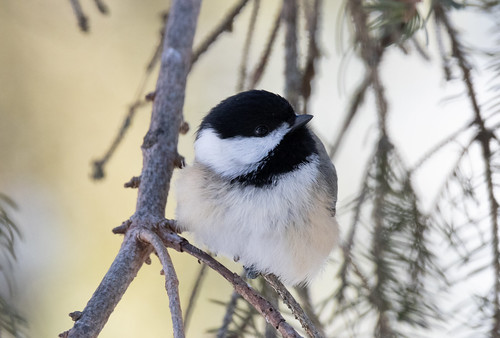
[300,120]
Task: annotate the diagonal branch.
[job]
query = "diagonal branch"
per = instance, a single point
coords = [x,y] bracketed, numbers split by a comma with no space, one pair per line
[264,307]
[194,294]
[356,101]
[83,21]
[101,6]
[226,25]
[440,145]
[303,292]
[99,165]
[228,317]
[313,52]
[246,47]
[371,53]
[171,281]
[292,304]
[292,73]
[264,59]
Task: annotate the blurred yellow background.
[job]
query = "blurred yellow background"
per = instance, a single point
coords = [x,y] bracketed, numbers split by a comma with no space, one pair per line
[63,95]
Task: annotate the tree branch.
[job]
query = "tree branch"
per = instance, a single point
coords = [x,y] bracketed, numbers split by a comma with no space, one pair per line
[83,21]
[246,46]
[292,74]
[171,281]
[101,6]
[194,295]
[265,308]
[303,292]
[313,53]
[261,66]
[226,25]
[292,304]
[228,317]
[371,53]
[356,101]
[98,165]
[159,155]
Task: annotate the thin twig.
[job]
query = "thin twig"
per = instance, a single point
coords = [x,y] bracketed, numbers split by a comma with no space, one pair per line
[194,295]
[231,310]
[356,101]
[98,170]
[379,241]
[83,21]
[228,317]
[293,305]
[313,54]
[159,47]
[292,74]
[264,59]
[458,53]
[247,320]
[134,182]
[246,46]
[371,53]
[483,137]
[450,138]
[226,25]
[495,330]
[347,247]
[101,6]
[171,281]
[265,308]
[442,52]
[451,175]
[303,291]
[99,165]
[420,50]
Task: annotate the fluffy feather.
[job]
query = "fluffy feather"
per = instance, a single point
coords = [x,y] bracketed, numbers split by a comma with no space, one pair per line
[276,229]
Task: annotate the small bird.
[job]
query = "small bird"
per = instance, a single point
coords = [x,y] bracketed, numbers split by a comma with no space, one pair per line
[262,189]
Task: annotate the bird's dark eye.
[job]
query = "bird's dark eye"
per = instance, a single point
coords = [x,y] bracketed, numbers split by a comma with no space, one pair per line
[261,131]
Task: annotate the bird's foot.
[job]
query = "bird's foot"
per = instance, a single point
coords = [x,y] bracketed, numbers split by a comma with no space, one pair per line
[251,272]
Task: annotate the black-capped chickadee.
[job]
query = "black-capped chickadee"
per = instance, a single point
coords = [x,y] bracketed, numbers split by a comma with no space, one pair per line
[262,189]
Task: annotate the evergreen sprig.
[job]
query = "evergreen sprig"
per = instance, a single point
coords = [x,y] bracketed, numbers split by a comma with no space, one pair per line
[393,21]
[387,282]
[11,320]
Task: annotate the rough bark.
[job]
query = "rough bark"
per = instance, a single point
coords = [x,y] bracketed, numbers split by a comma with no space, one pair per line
[159,158]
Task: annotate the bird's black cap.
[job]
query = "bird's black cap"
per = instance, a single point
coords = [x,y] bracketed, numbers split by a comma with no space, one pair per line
[242,114]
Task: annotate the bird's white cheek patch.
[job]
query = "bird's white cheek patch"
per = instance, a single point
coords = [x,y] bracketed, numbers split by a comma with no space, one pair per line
[235,156]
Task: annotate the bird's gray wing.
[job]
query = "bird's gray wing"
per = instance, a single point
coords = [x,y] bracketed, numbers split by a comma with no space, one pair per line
[328,172]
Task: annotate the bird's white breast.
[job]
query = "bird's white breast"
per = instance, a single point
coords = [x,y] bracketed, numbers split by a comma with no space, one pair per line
[284,228]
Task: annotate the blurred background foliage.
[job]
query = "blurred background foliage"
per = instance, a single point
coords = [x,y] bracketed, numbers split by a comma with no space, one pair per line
[405,95]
